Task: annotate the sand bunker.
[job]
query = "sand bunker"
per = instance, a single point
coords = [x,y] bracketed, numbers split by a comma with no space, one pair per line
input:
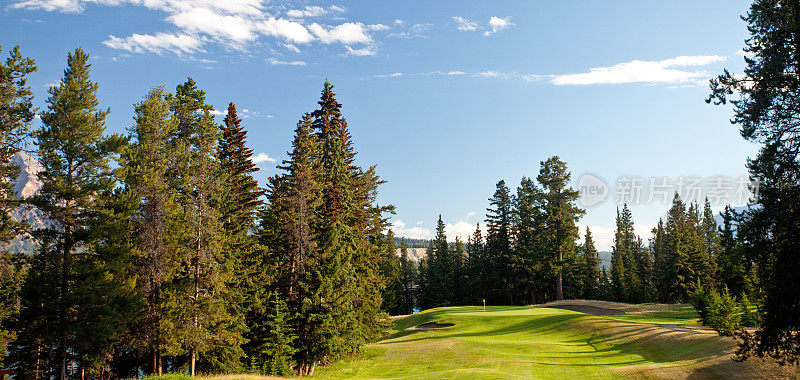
[433,326]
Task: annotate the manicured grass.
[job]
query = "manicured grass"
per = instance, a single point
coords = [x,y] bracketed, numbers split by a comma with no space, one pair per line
[548,343]
[534,342]
[682,314]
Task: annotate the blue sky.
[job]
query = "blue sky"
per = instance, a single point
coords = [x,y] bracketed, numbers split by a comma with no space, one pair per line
[446,97]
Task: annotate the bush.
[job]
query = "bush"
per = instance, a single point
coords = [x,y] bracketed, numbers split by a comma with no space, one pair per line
[723,312]
[700,300]
[748,315]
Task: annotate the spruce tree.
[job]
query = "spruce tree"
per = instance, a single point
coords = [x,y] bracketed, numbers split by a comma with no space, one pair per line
[529,224]
[562,215]
[206,321]
[76,180]
[148,171]
[16,113]
[476,267]
[765,100]
[499,263]
[408,272]
[590,261]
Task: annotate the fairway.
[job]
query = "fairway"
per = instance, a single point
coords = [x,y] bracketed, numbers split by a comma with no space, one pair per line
[540,342]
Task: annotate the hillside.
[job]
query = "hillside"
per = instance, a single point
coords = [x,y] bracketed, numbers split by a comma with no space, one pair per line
[652,341]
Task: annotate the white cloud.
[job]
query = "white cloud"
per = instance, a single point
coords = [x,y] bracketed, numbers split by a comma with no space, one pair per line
[603,236]
[233,24]
[367,51]
[292,47]
[216,112]
[455,72]
[292,31]
[274,61]
[347,33]
[491,74]
[642,72]
[158,43]
[466,25]
[400,230]
[234,28]
[497,24]
[414,31]
[314,11]
[461,229]
[377,27]
[392,75]
[494,25]
[262,157]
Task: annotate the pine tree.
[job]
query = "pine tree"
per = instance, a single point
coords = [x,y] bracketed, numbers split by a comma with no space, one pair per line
[767,96]
[476,267]
[529,225]
[201,302]
[392,276]
[242,198]
[731,261]
[409,274]
[76,179]
[439,289]
[562,214]
[16,113]
[149,176]
[590,261]
[499,262]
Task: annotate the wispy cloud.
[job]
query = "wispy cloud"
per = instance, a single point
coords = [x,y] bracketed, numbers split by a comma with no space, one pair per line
[159,43]
[314,11]
[494,25]
[465,24]
[664,71]
[277,62]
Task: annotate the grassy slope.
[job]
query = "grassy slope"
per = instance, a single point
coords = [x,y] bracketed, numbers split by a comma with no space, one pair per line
[534,342]
[530,342]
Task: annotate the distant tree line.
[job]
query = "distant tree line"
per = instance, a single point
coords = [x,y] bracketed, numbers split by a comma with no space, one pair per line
[162,253]
[529,254]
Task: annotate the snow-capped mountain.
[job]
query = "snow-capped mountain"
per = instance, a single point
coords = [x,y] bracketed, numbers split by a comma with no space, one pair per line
[27,185]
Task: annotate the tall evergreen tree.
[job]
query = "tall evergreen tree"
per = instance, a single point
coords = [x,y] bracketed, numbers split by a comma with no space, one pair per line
[529,224]
[242,196]
[767,97]
[476,267]
[77,177]
[408,271]
[499,263]
[16,114]
[590,262]
[207,322]
[440,286]
[148,174]
[562,216]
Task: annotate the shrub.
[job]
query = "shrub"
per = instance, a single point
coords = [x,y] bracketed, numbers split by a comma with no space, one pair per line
[700,300]
[723,312]
[748,315]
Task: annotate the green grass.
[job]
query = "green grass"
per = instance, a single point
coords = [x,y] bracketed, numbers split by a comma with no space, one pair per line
[546,343]
[682,314]
[531,342]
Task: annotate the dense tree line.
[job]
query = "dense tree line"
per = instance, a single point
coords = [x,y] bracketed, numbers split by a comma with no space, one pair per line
[162,253]
[529,254]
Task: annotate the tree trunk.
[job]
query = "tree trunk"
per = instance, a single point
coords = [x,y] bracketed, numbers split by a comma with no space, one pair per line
[559,289]
[62,312]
